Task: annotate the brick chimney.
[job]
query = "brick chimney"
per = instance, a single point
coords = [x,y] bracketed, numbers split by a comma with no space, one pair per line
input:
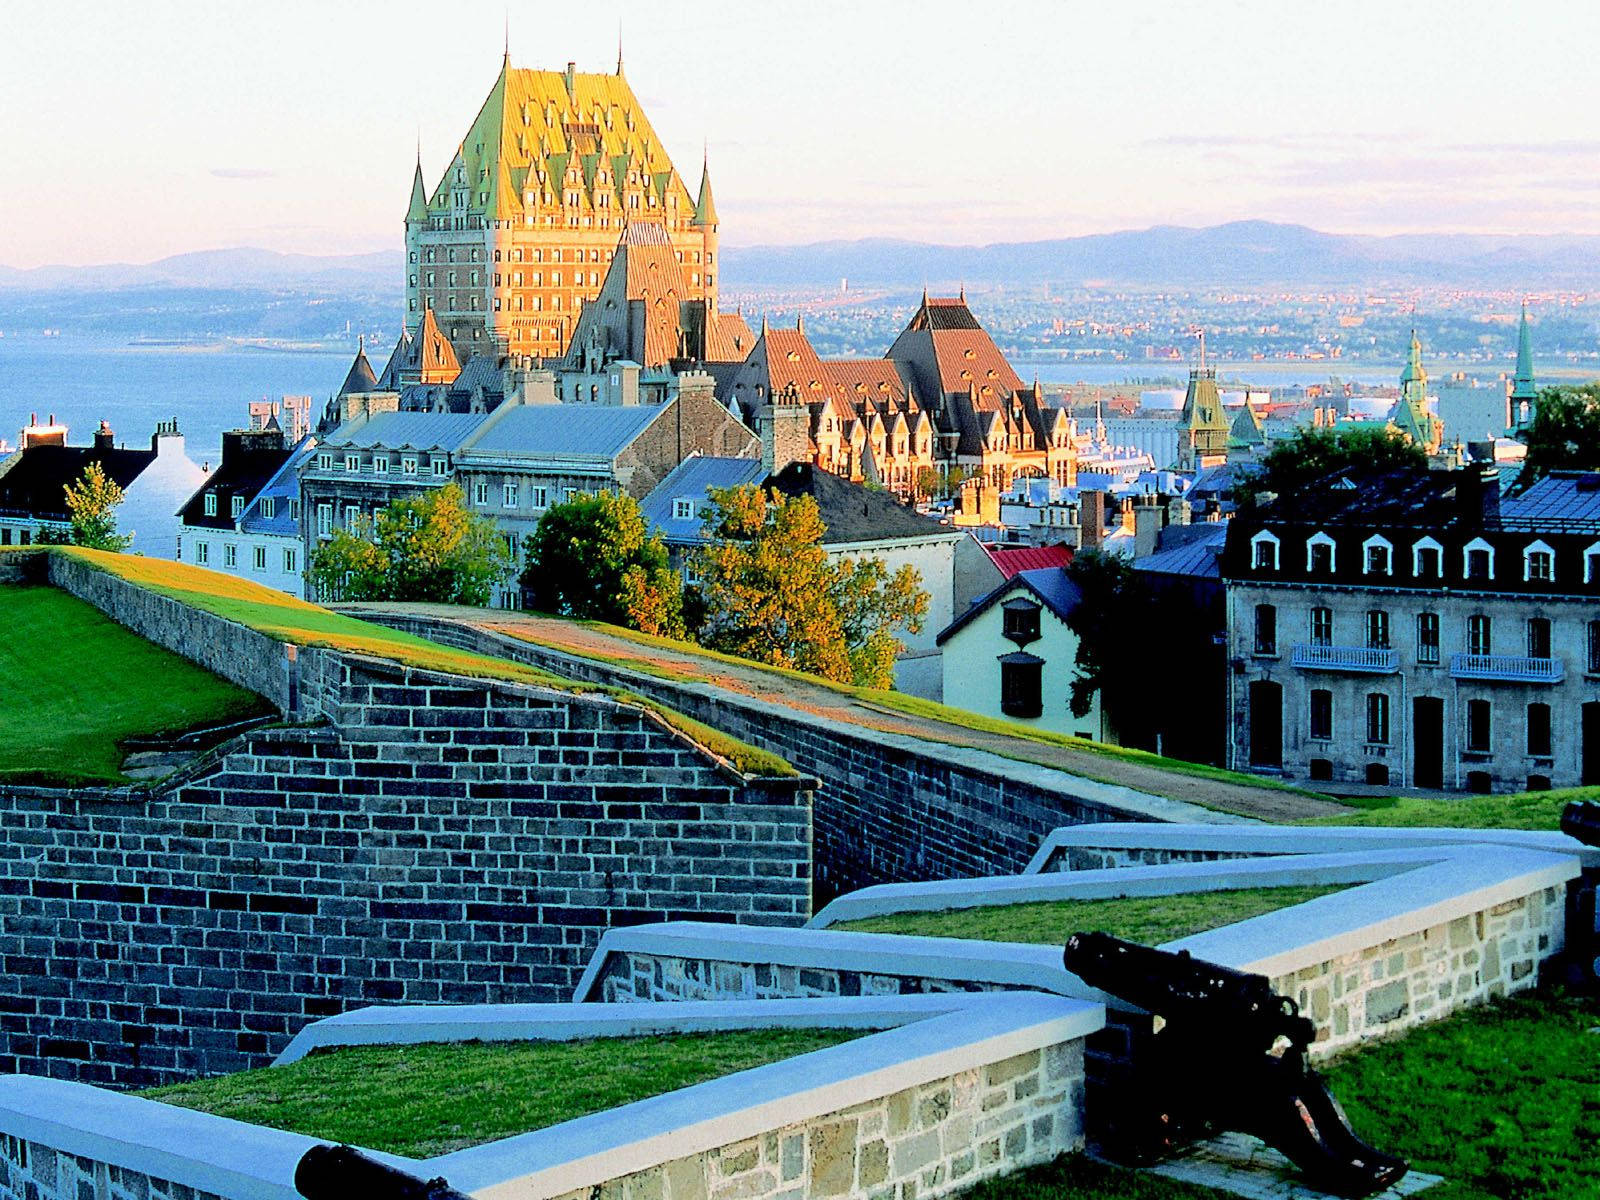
[785,427]
[1091,519]
[104,439]
[1148,519]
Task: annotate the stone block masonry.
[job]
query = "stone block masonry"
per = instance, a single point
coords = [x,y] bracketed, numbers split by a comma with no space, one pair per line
[439,839]
[890,808]
[924,1141]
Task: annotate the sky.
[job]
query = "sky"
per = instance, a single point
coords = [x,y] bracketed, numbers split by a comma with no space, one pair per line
[136,130]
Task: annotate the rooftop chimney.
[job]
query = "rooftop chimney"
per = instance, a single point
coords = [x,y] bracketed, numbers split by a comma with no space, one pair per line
[104,439]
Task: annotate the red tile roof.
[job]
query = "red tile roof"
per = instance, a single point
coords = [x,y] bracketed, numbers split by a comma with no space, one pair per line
[1010,560]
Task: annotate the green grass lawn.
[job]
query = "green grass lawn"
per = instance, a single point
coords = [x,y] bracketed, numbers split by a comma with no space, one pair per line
[1148,919]
[1523,810]
[1502,1100]
[281,616]
[431,1099]
[74,683]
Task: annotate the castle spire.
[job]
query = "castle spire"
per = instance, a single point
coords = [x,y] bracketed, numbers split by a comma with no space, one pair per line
[1522,387]
[418,210]
[705,208]
[619,45]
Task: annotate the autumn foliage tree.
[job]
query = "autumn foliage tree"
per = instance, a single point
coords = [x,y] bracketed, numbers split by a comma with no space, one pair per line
[92,503]
[428,548]
[770,592]
[592,558]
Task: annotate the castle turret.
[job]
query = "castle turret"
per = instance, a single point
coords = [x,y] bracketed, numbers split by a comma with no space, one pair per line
[1411,416]
[1203,428]
[705,220]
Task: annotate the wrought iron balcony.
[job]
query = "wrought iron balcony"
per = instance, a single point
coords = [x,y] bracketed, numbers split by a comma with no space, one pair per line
[1361,659]
[1507,668]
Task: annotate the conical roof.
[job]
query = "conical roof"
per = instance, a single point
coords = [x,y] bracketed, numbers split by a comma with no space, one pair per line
[419,196]
[360,377]
[705,208]
[436,357]
[1522,386]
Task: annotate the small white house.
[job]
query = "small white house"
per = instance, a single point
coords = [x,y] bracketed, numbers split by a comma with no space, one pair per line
[1011,655]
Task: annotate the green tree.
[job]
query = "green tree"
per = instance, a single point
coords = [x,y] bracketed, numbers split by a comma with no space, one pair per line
[592,558]
[1312,454]
[92,503]
[1564,433]
[770,592]
[427,548]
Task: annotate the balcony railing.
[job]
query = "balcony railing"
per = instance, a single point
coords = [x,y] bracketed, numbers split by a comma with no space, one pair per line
[1361,659]
[1507,668]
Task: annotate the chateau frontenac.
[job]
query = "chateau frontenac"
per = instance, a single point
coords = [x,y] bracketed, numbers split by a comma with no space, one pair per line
[516,236]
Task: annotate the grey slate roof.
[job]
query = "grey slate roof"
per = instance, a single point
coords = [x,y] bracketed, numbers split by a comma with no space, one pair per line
[281,488]
[414,430]
[1049,585]
[567,430]
[1196,556]
[1560,498]
[691,480]
[852,512]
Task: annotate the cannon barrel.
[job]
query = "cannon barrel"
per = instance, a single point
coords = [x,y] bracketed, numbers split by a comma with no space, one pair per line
[1581,820]
[1174,984]
[344,1173]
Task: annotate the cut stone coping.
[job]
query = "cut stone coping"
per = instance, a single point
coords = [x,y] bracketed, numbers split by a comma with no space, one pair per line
[209,1153]
[964,1033]
[1409,889]
[414,1024]
[1109,883]
[1210,837]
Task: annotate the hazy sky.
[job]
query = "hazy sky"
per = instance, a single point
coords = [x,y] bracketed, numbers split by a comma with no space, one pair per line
[135,130]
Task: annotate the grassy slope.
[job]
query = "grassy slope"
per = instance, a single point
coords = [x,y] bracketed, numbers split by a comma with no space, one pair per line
[73,683]
[909,705]
[281,616]
[431,1099]
[1148,919]
[1524,810]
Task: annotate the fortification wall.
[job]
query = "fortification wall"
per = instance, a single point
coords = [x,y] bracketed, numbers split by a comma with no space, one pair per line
[890,808]
[440,840]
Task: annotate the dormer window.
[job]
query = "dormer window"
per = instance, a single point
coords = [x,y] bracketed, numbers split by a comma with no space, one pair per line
[235,506]
[682,510]
[1427,559]
[1538,563]
[352,462]
[1478,560]
[1319,554]
[1264,551]
[408,464]
[1378,555]
[1591,564]
[441,466]
[211,504]
[324,462]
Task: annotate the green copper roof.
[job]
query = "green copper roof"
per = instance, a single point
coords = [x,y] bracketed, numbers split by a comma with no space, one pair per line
[1522,386]
[705,208]
[419,197]
[1202,405]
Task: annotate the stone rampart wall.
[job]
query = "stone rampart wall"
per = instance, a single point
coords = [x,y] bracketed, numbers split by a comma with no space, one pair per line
[1099,858]
[33,1171]
[632,976]
[923,1141]
[889,809]
[442,840]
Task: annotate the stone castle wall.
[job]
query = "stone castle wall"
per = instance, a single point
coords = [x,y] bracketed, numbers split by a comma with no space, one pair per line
[889,810]
[440,840]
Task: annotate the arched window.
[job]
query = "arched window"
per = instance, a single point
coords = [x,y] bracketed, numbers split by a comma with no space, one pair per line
[1264,551]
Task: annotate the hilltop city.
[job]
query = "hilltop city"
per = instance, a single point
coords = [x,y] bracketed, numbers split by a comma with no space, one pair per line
[620,744]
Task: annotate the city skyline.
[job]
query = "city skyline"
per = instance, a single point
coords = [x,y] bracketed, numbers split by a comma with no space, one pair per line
[179,127]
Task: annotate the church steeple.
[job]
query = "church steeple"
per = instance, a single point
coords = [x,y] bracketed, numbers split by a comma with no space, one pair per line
[1524,392]
[1411,415]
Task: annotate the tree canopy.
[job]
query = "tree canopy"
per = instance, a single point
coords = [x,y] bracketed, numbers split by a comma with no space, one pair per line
[1564,433]
[92,503]
[592,558]
[1311,454]
[770,592]
[428,548]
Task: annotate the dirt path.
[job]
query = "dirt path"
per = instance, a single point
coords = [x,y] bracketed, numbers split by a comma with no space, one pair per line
[1264,803]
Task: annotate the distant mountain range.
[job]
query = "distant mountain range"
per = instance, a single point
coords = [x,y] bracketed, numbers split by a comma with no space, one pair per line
[1240,253]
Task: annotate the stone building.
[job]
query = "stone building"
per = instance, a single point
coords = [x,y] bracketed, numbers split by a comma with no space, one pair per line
[514,238]
[1204,431]
[1417,630]
[229,525]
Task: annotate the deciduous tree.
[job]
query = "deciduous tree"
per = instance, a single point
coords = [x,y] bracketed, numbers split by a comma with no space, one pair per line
[770,592]
[428,548]
[92,503]
[592,558]
[1564,433]
[1312,454]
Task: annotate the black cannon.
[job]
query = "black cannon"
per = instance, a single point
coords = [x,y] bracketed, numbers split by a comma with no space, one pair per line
[1581,820]
[1212,1068]
[344,1173]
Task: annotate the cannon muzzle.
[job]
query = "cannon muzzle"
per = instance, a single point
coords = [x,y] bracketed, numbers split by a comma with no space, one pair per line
[344,1173]
[1581,820]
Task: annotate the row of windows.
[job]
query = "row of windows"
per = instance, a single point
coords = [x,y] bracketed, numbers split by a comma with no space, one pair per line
[350,461]
[258,557]
[511,495]
[1480,634]
[266,507]
[1427,558]
[1479,715]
